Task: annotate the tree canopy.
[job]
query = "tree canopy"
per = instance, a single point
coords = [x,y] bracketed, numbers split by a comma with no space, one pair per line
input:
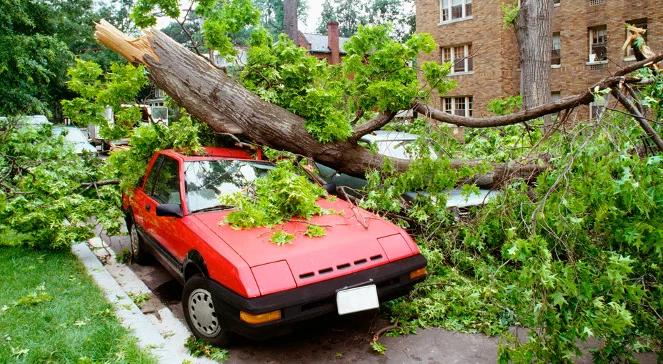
[351,14]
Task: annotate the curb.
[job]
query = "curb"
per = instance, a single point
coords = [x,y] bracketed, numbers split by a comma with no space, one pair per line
[148,335]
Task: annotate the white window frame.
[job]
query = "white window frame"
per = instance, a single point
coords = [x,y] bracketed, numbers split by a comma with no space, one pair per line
[468,102]
[464,16]
[466,58]
[590,33]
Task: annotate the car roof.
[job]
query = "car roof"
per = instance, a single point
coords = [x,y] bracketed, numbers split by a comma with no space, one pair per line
[386,135]
[30,120]
[215,152]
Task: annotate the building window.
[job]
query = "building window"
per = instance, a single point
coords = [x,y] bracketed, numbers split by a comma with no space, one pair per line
[556,56]
[596,2]
[459,106]
[461,58]
[556,2]
[598,42]
[451,10]
[638,23]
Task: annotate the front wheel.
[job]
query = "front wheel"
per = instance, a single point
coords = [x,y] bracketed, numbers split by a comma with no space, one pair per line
[201,314]
[138,252]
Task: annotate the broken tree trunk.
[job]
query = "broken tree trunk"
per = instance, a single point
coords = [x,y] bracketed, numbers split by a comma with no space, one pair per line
[227,107]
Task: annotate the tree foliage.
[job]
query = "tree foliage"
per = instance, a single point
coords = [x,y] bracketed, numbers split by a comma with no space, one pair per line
[42,200]
[375,76]
[573,257]
[116,89]
[221,19]
[351,14]
[279,196]
[38,42]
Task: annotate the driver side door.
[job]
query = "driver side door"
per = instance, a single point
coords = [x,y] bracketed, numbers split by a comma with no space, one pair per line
[166,230]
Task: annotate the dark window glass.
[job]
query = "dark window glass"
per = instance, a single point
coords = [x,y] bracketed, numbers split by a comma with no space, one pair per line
[167,187]
[151,179]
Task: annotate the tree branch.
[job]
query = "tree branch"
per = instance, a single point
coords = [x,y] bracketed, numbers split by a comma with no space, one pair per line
[539,111]
[374,124]
[638,116]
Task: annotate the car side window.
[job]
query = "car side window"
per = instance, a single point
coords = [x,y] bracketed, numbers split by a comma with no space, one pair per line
[152,178]
[167,187]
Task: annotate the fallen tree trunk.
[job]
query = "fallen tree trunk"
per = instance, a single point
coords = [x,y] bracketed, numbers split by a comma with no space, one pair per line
[227,107]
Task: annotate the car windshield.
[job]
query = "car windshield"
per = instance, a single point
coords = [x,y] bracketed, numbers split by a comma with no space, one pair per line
[206,180]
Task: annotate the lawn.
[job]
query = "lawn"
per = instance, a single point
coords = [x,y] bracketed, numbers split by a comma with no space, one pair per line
[51,311]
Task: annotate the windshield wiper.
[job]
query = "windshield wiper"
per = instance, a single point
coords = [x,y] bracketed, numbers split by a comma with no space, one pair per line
[213,208]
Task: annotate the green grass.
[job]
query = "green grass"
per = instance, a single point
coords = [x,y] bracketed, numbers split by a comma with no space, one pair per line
[51,311]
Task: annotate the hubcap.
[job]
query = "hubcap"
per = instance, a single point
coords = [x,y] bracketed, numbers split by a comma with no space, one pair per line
[133,236]
[202,313]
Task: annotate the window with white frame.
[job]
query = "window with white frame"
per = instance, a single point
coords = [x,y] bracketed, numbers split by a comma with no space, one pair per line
[598,44]
[459,105]
[460,56]
[639,23]
[556,2]
[451,10]
[556,54]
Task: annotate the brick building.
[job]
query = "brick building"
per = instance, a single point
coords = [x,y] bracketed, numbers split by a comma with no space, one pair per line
[587,40]
[329,47]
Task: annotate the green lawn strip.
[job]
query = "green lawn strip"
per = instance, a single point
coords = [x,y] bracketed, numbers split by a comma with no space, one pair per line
[51,311]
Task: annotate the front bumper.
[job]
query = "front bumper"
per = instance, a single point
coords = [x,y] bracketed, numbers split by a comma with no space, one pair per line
[313,300]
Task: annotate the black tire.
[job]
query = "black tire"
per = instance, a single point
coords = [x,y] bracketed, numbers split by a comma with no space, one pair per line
[200,313]
[139,253]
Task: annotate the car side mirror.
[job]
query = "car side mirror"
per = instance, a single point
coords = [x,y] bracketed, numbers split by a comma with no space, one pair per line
[330,187]
[169,209]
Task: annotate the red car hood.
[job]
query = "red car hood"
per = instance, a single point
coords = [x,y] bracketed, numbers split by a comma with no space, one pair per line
[355,240]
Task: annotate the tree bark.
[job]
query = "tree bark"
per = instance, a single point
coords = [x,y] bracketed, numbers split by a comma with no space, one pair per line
[227,107]
[290,19]
[534,35]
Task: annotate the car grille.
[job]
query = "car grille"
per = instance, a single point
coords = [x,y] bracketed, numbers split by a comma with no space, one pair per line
[340,267]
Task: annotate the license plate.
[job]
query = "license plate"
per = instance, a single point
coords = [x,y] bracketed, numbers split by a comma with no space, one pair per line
[357,299]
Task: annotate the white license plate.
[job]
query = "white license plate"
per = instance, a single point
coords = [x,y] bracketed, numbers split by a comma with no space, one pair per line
[357,299]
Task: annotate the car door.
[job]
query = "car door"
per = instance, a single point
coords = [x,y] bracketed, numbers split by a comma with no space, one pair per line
[168,231]
[143,206]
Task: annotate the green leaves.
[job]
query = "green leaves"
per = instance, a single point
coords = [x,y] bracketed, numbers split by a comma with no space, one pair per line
[43,203]
[377,75]
[144,13]
[315,231]
[281,237]
[279,196]
[222,19]
[115,89]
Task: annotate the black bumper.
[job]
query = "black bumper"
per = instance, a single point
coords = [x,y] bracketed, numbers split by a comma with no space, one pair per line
[313,300]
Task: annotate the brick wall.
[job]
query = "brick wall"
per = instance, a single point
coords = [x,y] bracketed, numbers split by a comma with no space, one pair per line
[496,70]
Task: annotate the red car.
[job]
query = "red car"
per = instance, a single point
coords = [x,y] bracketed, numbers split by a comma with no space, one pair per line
[238,281]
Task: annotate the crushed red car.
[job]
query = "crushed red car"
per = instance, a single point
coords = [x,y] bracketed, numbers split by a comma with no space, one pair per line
[238,281]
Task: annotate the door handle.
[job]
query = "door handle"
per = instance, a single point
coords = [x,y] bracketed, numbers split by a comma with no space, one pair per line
[147,207]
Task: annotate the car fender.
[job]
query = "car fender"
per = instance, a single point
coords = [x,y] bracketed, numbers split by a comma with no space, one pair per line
[193,262]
